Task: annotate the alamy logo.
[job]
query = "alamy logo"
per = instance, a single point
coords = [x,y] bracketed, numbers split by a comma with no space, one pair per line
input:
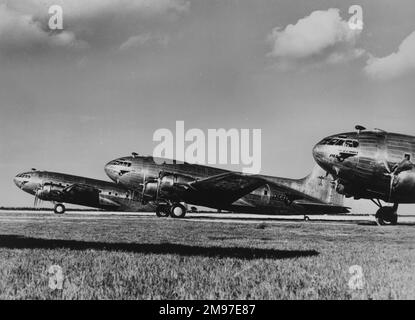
[356,281]
[56,277]
[220,146]
[356,20]
[56,18]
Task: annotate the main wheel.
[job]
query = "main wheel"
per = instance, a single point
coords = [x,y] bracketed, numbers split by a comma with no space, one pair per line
[306,218]
[162,211]
[177,211]
[386,216]
[59,208]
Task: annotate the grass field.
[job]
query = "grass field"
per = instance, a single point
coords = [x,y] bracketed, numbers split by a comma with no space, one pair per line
[152,258]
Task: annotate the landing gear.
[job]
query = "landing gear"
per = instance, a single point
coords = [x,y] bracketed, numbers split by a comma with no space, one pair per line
[175,210]
[162,211]
[59,208]
[306,218]
[386,215]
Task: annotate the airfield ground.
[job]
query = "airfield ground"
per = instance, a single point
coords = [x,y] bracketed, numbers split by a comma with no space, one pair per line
[205,256]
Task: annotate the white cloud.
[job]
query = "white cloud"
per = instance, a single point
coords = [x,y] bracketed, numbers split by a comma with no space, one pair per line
[395,64]
[145,39]
[323,36]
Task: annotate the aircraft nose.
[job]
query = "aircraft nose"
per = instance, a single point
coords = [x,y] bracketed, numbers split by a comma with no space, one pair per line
[111,171]
[319,153]
[18,181]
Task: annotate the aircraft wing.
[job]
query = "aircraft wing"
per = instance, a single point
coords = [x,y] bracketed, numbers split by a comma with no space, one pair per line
[231,186]
[228,187]
[80,189]
[87,194]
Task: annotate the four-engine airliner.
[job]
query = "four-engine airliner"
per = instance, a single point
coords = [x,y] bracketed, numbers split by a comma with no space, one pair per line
[62,188]
[168,184]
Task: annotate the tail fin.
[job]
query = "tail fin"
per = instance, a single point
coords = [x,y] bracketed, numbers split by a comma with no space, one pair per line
[320,187]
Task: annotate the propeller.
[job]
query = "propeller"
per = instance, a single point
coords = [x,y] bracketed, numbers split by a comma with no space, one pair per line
[37,199]
[391,175]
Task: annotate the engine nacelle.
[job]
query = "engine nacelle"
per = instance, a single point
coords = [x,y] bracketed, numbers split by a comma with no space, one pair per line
[166,186]
[151,189]
[49,192]
[344,190]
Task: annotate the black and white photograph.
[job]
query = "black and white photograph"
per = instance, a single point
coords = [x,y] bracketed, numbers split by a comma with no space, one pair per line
[207,155]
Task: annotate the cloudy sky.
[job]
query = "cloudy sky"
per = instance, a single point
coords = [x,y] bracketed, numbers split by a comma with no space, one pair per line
[75,98]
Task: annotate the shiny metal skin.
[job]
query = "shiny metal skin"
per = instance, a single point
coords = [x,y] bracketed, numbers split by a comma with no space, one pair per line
[65,188]
[170,182]
[365,169]
[374,165]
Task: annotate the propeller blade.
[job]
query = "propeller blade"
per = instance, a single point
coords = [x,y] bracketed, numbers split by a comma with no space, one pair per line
[387,166]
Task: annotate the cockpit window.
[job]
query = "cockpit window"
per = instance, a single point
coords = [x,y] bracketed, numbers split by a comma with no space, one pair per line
[341,142]
[351,143]
[23,175]
[121,163]
[332,142]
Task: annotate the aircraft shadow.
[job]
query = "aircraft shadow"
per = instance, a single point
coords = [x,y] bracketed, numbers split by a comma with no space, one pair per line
[22,242]
[400,224]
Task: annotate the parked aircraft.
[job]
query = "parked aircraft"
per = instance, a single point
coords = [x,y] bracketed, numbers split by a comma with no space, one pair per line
[375,165]
[168,184]
[63,188]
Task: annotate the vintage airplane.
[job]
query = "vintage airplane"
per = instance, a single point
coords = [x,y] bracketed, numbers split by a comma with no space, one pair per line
[63,188]
[168,184]
[373,165]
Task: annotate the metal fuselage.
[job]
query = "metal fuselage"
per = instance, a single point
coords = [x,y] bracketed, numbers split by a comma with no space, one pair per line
[135,172]
[363,163]
[99,194]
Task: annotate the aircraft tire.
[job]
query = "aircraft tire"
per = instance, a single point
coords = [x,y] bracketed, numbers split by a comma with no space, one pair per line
[306,218]
[59,208]
[386,216]
[177,211]
[162,211]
